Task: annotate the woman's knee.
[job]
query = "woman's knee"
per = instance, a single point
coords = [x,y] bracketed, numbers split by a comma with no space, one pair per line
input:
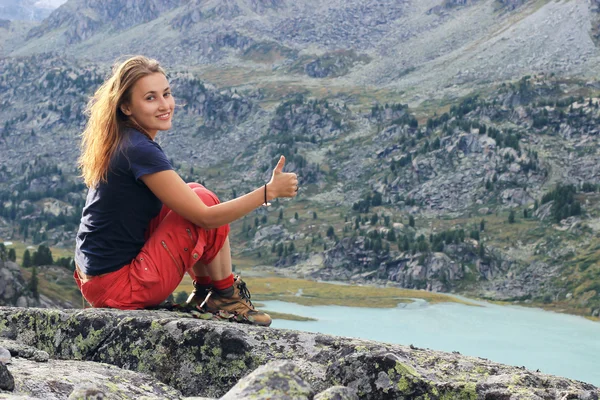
[207,197]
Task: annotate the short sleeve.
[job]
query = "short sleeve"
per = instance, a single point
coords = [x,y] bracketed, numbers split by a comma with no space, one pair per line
[147,157]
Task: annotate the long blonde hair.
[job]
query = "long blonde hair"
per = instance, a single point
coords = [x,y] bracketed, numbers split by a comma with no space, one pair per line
[102,134]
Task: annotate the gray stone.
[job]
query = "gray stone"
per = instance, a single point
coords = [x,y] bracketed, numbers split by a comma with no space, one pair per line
[24,351]
[62,379]
[337,393]
[275,380]
[4,356]
[7,381]
[87,392]
[216,356]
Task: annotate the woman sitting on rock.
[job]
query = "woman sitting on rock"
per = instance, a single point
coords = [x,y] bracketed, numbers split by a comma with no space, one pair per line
[142,226]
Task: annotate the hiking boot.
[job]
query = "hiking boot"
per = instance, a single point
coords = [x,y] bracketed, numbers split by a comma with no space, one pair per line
[198,295]
[238,305]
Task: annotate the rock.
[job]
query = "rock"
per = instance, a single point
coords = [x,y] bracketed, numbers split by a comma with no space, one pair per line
[337,393]
[21,302]
[544,211]
[4,356]
[64,379]
[334,64]
[7,381]
[198,398]
[87,392]
[269,233]
[14,290]
[275,380]
[215,356]
[516,196]
[23,351]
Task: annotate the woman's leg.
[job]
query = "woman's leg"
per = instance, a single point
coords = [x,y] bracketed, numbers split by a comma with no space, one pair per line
[198,270]
[218,271]
[220,267]
[229,293]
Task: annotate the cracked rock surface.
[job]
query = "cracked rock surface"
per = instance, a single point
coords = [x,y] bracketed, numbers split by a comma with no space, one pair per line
[166,355]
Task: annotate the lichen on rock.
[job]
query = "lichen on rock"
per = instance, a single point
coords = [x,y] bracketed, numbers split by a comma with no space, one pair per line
[173,355]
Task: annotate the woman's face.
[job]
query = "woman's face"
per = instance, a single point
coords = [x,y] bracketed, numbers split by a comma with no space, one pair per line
[151,104]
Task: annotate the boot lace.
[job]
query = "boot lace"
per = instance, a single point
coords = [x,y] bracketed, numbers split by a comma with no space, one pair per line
[244,292]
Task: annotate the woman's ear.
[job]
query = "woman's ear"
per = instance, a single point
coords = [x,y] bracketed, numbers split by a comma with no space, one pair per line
[125,109]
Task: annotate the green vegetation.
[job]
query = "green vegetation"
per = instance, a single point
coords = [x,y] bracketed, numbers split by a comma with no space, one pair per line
[564,203]
[316,293]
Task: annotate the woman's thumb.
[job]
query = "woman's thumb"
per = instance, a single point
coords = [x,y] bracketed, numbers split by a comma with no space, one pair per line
[280,164]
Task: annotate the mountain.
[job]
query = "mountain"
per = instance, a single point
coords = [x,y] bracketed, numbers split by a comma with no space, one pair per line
[443,145]
[430,45]
[29,10]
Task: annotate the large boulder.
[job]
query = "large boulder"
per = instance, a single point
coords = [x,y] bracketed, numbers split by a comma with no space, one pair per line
[13,288]
[208,358]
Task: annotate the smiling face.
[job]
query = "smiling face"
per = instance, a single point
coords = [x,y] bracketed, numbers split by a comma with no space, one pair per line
[151,104]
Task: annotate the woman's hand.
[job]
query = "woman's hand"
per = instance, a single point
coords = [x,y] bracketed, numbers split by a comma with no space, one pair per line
[282,184]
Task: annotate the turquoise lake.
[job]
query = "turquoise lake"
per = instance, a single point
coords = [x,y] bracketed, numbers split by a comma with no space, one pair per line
[556,344]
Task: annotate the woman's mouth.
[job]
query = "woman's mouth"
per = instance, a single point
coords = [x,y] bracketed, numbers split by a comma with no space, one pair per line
[164,117]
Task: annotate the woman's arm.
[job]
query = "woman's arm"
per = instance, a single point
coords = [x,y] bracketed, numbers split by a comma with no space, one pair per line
[175,194]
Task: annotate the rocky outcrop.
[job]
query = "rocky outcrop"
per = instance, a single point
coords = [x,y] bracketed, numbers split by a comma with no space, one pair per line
[456,175]
[82,19]
[26,10]
[200,10]
[332,64]
[13,288]
[218,109]
[207,358]
[310,120]
[36,376]
[511,4]
[595,31]
[350,260]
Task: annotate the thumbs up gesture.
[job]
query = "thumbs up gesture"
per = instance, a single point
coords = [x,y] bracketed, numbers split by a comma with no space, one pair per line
[282,184]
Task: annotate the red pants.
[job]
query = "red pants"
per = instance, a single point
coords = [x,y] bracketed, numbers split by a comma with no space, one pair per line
[173,245]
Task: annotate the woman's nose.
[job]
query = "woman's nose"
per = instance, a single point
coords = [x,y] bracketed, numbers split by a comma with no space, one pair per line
[164,103]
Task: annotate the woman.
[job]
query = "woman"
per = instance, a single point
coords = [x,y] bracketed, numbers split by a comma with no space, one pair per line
[142,226]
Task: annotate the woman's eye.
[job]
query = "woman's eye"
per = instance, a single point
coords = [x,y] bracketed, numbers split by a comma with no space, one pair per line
[167,94]
[150,98]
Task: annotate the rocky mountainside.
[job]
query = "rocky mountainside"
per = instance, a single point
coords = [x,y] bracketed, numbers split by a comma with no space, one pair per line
[27,10]
[16,291]
[441,145]
[13,289]
[426,45]
[118,350]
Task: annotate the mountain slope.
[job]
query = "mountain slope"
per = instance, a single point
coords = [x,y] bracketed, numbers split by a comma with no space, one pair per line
[27,10]
[411,44]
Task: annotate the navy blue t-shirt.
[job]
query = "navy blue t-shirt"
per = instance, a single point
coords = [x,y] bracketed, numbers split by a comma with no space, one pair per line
[117,212]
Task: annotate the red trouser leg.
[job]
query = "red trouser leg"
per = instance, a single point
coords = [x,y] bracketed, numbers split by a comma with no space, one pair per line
[172,247]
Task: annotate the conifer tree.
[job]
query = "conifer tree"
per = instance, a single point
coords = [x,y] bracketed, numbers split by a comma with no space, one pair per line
[33,284]
[26,259]
[12,255]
